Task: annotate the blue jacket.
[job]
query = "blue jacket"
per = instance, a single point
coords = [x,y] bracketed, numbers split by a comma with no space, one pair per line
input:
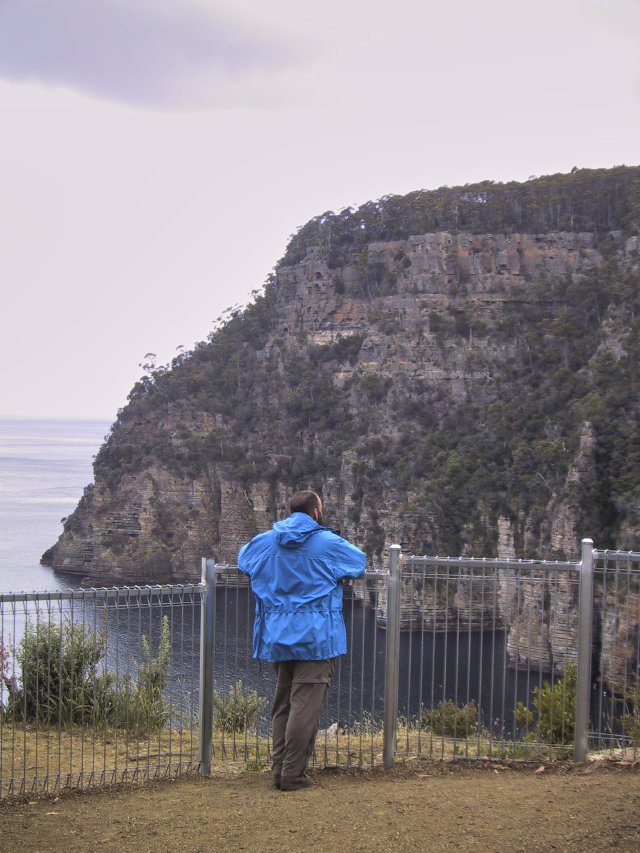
[295,570]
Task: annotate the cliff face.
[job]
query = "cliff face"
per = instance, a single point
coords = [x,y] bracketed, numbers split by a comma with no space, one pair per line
[450,390]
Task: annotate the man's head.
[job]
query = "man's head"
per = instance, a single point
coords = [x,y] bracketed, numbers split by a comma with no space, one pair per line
[309,503]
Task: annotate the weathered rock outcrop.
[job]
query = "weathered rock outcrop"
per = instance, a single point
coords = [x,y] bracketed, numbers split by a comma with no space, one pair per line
[453,370]
[155,523]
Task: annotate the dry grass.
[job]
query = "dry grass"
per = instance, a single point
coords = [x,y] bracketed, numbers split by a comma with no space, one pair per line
[35,761]
[46,760]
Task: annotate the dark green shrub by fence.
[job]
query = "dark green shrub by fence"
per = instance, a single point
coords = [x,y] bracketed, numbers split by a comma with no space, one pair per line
[451,720]
[553,720]
[59,680]
[238,709]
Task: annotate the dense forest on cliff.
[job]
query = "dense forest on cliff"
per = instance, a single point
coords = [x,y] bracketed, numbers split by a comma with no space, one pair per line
[429,385]
[593,200]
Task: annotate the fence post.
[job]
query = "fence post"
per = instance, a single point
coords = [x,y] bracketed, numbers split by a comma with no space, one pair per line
[585,628]
[207,634]
[392,660]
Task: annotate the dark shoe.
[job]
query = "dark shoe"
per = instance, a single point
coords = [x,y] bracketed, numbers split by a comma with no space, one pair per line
[276,780]
[295,783]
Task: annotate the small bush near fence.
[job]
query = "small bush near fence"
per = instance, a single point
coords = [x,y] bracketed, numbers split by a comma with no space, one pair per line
[60,685]
[554,719]
[140,705]
[451,720]
[238,709]
[630,702]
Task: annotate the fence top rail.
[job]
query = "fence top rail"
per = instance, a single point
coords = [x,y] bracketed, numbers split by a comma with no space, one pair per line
[369,573]
[115,593]
[617,556]
[490,562]
[149,591]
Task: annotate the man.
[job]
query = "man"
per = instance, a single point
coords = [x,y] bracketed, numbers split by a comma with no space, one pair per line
[296,571]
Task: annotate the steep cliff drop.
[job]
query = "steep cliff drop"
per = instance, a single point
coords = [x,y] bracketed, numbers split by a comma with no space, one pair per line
[454,370]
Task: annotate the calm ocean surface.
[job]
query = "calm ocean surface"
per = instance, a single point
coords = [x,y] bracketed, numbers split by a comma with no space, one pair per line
[44,467]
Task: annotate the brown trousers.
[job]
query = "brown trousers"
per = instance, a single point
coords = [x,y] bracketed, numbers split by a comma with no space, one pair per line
[300,693]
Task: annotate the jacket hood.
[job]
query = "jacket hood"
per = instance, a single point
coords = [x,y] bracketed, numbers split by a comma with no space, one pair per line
[293,532]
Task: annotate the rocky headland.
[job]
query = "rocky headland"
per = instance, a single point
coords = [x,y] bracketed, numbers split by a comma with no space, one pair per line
[453,370]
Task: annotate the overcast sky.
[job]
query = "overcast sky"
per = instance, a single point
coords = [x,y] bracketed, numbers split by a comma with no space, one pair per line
[156,155]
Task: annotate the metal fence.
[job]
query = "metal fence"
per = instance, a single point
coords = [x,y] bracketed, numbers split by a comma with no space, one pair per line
[99,686]
[488,655]
[478,658]
[236,725]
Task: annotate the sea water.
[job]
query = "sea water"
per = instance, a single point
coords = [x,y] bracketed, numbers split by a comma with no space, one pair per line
[44,468]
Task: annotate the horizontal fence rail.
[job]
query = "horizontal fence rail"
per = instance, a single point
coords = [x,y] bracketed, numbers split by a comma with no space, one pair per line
[447,657]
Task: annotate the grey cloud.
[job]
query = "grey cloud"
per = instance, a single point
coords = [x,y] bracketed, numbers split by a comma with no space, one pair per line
[162,53]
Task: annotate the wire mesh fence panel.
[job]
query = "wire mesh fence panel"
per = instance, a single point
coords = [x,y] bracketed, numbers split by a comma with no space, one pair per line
[615,702]
[97,687]
[351,722]
[487,658]
[351,727]
[243,687]
[102,686]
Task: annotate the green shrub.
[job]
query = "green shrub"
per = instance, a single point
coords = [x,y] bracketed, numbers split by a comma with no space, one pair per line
[237,710]
[554,719]
[451,720]
[140,705]
[631,716]
[60,683]
[631,726]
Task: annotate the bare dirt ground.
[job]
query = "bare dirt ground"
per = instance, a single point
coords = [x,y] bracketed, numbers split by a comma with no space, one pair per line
[420,805]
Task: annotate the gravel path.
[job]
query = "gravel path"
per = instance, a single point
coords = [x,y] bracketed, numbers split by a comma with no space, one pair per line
[419,806]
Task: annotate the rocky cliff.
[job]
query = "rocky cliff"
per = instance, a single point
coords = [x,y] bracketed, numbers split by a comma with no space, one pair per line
[454,389]
[453,370]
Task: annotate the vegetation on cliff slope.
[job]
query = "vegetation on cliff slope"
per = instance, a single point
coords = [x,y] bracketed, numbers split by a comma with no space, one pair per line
[279,415]
[590,200]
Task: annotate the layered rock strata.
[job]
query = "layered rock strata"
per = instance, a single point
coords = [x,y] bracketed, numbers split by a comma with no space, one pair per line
[339,378]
